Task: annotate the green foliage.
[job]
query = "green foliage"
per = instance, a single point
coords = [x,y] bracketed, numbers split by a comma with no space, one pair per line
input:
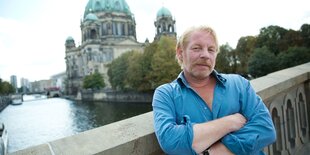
[293,56]
[6,88]
[144,71]
[305,34]
[164,65]
[117,71]
[290,39]
[244,50]
[255,55]
[93,81]
[284,46]
[135,73]
[262,62]
[271,37]
[225,59]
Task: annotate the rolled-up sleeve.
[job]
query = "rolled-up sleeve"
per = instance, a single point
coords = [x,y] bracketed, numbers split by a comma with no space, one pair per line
[173,138]
[259,130]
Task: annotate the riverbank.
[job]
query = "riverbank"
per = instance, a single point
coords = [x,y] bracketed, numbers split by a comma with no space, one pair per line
[114,96]
[4,102]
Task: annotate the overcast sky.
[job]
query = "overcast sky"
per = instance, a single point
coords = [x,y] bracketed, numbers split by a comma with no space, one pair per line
[33,32]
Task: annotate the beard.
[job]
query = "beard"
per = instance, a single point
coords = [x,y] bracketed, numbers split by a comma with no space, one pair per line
[201,69]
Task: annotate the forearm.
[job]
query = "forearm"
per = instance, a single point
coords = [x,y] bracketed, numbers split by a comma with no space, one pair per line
[219,148]
[206,134]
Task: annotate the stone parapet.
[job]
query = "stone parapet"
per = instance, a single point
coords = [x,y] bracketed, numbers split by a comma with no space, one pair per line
[4,102]
[286,94]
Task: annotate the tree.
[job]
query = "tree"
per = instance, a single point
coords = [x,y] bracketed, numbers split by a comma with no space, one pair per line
[293,56]
[6,88]
[262,62]
[93,81]
[305,34]
[270,37]
[135,73]
[165,67]
[118,69]
[244,50]
[225,59]
[290,39]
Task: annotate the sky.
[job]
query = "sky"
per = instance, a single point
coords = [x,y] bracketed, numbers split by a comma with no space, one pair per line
[33,32]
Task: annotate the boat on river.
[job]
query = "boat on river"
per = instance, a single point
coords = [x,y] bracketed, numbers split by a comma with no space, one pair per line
[4,138]
[16,99]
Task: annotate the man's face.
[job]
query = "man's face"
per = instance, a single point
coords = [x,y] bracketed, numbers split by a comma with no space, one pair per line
[199,55]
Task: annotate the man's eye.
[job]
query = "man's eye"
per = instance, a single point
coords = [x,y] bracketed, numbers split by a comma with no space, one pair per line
[211,50]
[196,48]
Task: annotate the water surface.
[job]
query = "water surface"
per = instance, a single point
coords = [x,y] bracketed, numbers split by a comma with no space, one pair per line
[43,120]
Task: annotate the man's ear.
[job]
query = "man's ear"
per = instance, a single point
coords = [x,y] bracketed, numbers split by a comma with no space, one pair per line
[180,54]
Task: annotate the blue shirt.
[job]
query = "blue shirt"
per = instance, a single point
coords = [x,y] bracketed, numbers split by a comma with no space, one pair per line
[177,106]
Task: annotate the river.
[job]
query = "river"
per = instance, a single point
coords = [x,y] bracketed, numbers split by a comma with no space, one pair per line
[39,121]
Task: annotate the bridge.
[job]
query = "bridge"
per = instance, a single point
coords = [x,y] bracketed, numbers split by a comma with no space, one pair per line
[286,93]
[49,92]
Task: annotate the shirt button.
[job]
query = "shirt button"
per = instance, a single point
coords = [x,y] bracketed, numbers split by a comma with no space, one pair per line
[205,108]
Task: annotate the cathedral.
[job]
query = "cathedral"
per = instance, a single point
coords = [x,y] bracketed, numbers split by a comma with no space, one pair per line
[108,30]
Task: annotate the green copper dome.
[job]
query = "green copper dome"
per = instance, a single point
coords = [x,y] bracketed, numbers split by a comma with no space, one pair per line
[91,16]
[94,6]
[69,38]
[163,12]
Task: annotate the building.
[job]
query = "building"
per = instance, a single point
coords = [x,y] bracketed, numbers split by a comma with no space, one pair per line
[108,30]
[41,86]
[25,85]
[58,81]
[165,24]
[13,81]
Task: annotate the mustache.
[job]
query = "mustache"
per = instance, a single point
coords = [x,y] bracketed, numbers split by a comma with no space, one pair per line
[205,63]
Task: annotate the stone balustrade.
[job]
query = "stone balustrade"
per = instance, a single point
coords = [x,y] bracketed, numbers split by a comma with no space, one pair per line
[286,93]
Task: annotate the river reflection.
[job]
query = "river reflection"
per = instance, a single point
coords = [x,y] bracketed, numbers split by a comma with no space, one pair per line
[39,121]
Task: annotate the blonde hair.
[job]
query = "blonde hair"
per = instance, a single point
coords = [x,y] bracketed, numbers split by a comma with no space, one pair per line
[184,39]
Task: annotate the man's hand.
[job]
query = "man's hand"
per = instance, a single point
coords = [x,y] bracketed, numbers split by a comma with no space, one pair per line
[219,148]
[237,121]
[207,134]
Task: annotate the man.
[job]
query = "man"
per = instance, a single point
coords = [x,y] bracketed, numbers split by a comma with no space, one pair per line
[204,112]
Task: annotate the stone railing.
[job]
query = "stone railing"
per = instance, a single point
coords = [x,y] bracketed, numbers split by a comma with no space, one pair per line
[115,96]
[286,94]
[4,101]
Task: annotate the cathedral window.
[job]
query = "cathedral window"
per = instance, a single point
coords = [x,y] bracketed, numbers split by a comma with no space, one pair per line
[119,29]
[164,27]
[84,37]
[109,25]
[114,28]
[96,69]
[97,6]
[117,6]
[93,34]
[104,29]
[170,28]
[89,56]
[129,29]
[123,29]
[132,30]
[109,28]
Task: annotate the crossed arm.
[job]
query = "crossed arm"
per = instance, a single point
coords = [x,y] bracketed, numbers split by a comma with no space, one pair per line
[247,132]
[207,135]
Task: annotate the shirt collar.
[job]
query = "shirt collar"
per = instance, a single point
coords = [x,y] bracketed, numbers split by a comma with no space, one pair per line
[219,78]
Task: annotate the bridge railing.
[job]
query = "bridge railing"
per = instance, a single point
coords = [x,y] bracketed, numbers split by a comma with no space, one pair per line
[286,93]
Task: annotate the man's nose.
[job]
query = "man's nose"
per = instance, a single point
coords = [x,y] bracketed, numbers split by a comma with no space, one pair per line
[205,53]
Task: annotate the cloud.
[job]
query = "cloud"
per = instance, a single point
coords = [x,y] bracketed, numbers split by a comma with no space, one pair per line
[32,39]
